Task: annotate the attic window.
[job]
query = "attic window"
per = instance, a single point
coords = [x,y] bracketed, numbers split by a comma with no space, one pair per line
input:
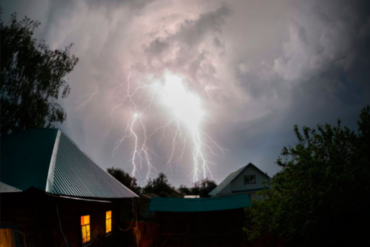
[249,179]
[85,228]
[108,221]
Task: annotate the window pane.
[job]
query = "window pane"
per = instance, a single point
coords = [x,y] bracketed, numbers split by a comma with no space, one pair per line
[88,232]
[84,234]
[85,228]
[108,225]
[108,221]
[85,220]
[249,179]
[7,237]
[108,214]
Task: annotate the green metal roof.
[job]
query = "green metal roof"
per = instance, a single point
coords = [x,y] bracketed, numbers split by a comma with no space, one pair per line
[48,160]
[160,204]
[25,158]
[233,176]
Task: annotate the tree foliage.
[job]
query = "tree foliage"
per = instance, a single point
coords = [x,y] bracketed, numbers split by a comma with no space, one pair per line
[185,190]
[125,179]
[160,186]
[201,188]
[321,197]
[32,78]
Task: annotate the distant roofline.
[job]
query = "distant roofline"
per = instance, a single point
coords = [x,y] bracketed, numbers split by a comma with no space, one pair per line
[237,175]
[263,173]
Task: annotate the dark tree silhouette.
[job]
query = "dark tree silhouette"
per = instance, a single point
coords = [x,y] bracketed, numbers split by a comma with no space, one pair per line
[201,188]
[32,78]
[160,186]
[185,190]
[125,179]
[322,195]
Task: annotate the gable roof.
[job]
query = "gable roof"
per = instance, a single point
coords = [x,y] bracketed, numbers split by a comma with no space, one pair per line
[160,204]
[232,176]
[49,161]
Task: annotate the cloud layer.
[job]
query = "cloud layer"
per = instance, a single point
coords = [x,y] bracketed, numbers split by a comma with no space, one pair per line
[259,66]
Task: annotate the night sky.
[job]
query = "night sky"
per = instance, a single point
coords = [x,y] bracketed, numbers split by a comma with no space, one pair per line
[258,67]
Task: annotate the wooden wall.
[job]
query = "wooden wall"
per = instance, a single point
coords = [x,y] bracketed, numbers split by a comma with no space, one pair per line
[35,214]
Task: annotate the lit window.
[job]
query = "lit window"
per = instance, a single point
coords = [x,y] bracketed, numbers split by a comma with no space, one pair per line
[249,179]
[108,221]
[85,227]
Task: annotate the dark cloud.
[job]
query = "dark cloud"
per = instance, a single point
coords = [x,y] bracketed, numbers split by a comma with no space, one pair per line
[259,66]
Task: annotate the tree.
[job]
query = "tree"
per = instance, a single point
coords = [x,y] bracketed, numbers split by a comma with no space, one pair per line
[203,187]
[125,179]
[185,190]
[160,186]
[32,78]
[321,197]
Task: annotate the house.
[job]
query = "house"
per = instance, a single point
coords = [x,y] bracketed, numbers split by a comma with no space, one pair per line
[52,194]
[215,221]
[247,180]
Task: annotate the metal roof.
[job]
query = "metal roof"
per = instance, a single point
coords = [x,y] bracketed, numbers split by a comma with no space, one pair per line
[48,160]
[233,176]
[160,204]
[4,188]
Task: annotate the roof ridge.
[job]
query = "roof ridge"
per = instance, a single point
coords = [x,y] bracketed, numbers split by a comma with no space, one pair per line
[51,172]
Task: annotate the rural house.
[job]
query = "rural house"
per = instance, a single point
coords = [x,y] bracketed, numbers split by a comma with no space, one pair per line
[52,194]
[247,180]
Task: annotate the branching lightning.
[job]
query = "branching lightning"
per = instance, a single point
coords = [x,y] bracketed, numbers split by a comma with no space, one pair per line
[186,119]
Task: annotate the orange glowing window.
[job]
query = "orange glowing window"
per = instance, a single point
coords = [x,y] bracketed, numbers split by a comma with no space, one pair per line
[108,221]
[85,227]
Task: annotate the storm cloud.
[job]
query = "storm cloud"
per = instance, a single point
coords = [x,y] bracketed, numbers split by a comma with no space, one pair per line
[259,66]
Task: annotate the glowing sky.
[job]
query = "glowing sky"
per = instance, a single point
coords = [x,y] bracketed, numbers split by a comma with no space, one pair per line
[245,71]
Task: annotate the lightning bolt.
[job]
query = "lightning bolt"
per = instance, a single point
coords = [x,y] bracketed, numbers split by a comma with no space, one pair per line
[186,119]
[86,99]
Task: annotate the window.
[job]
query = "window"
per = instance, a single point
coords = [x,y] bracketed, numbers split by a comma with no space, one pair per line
[249,179]
[12,237]
[108,221]
[85,227]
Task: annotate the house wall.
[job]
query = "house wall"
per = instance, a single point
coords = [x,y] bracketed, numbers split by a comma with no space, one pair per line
[35,214]
[20,212]
[70,212]
[238,184]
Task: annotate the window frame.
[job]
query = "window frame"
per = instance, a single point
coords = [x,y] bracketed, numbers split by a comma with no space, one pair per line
[106,220]
[89,229]
[250,176]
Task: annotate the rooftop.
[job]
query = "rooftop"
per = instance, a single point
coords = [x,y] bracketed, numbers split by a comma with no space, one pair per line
[160,204]
[48,160]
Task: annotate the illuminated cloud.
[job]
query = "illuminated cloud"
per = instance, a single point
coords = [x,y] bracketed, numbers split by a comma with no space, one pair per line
[258,68]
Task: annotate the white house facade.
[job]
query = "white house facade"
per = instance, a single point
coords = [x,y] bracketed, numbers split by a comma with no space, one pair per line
[247,180]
